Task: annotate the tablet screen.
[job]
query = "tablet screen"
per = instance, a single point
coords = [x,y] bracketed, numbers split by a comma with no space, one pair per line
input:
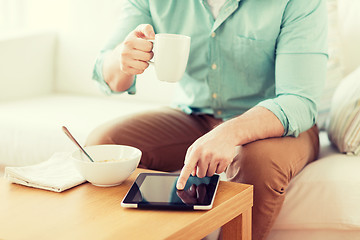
[158,190]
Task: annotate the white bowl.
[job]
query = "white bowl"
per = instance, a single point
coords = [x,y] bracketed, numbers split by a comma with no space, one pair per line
[121,161]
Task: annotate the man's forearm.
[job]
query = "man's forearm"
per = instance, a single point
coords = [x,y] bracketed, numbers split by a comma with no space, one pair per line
[255,124]
[117,80]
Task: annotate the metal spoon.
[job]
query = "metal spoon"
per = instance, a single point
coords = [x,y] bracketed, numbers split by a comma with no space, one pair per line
[66,131]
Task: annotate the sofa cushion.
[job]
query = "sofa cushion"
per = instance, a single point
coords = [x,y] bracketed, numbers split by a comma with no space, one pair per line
[344,127]
[31,132]
[324,195]
[26,64]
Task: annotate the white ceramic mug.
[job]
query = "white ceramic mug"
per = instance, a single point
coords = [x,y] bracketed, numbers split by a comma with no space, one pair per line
[171,53]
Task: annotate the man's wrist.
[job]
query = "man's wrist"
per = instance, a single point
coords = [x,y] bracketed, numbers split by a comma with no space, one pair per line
[117,80]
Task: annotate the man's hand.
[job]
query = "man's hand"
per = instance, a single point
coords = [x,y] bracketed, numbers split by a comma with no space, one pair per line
[209,154]
[214,151]
[129,58]
[136,51]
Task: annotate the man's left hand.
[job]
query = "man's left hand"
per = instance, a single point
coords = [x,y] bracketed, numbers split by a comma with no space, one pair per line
[209,154]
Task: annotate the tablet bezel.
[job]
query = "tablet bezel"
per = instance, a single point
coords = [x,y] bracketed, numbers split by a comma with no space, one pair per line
[134,189]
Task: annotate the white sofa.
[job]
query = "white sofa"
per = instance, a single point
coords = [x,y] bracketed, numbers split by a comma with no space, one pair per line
[45,82]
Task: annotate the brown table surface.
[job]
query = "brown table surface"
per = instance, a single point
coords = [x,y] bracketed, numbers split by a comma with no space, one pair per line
[90,212]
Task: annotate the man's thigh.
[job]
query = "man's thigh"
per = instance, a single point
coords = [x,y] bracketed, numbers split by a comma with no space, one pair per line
[269,165]
[275,159]
[162,135]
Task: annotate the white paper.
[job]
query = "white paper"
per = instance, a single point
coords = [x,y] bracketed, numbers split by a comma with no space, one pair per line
[56,174]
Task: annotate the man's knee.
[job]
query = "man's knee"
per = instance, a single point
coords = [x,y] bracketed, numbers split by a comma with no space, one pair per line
[261,165]
[99,136]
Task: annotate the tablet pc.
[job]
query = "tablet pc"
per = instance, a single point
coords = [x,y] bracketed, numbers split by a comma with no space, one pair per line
[158,191]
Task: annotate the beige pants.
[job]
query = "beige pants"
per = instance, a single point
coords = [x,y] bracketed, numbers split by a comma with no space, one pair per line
[165,134]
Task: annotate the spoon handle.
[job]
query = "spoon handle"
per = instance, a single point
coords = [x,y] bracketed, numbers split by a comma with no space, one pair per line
[66,131]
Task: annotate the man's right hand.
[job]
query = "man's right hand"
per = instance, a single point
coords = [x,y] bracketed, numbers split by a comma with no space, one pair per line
[129,58]
[135,51]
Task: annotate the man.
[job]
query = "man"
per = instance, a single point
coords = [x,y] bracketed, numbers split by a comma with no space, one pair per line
[246,103]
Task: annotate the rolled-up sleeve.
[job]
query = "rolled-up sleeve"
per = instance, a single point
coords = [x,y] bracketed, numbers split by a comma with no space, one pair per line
[301,59]
[134,13]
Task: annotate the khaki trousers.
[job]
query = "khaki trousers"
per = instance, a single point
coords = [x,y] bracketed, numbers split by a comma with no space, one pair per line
[164,135]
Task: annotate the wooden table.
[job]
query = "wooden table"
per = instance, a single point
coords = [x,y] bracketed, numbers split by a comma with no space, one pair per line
[90,212]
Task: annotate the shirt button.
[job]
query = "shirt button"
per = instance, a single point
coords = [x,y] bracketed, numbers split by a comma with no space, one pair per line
[213,34]
[213,66]
[219,112]
[214,95]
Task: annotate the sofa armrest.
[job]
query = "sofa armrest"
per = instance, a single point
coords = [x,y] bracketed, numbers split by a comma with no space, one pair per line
[26,65]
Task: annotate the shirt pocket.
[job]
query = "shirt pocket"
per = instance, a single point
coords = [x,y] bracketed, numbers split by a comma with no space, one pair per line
[254,64]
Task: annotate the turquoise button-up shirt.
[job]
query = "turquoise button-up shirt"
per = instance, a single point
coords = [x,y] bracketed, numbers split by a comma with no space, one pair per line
[270,53]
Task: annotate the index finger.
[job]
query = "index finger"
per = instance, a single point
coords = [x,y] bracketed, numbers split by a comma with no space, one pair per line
[145,31]
[185,173]
[184,176]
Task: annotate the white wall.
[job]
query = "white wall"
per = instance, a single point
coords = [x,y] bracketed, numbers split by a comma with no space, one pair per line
[83,26]
[12,15]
